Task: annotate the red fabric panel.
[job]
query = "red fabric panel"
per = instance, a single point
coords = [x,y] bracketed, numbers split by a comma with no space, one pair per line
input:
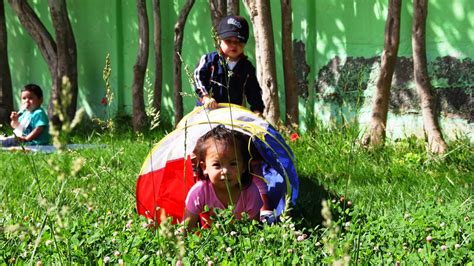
[165,188]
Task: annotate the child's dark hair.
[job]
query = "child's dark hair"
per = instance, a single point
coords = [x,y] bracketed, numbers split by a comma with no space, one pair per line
[227,137]
[35,89]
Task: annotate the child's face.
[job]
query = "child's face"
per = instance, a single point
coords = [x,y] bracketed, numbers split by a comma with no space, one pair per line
[232,47]
[223,162]
[30,101]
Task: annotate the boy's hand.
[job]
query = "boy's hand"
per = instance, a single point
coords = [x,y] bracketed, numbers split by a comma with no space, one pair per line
[209,103]
[14,116]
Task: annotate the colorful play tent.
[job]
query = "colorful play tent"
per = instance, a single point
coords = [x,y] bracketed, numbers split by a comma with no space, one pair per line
[166,175]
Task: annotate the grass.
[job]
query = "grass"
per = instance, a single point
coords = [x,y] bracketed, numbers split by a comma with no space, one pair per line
[387,205]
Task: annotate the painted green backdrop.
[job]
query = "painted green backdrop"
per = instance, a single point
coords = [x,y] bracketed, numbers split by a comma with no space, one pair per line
[327,29]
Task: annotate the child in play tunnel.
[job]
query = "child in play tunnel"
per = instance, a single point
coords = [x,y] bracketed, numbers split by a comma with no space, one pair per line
[224,179]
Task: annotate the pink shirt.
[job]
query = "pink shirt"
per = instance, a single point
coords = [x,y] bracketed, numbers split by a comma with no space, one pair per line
[202,194]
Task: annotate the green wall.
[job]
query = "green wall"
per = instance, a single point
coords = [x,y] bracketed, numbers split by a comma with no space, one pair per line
[328,28]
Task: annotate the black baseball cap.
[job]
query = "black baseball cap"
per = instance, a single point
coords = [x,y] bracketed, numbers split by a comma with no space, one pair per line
[233,26]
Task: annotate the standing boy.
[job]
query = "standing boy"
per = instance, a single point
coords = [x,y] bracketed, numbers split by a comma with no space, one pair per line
[227,75]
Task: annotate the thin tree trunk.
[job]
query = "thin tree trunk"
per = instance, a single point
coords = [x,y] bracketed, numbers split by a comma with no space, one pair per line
[251,7]
[178,45]
[233,7]
[291,92]
[376,133]
[139,69]
[43,39]
[218,10]
[157,92]
[6,91]
[436,143]
[66,52]
[266,48]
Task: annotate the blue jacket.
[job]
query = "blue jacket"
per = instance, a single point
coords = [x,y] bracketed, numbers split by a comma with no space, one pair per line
[212,75]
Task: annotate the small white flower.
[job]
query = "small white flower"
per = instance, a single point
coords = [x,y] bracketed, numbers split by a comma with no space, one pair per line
[48,242]
[442,224]
[406,216]
[129,224]
[376,248]
[444,247]
[261,240]
[429,238]
[347,224]
[301,238]
[106,259]
[233,233]
[179,263]
[117,253]
[228,249]
[210,263]
[456,246]
[120,262]
[113,240]
[318,244]
[420,250]
[39,263]
[290,250]
[115,233]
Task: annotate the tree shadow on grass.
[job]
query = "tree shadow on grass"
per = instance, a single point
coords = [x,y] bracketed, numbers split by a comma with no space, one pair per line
[309,202]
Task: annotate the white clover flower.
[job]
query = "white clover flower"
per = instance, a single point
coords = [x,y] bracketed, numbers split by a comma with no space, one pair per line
[106,259]
[456,246]
[48,242]
[129,224]
[406,216]
[318,244]
[442,224]
[290,250]
[117,253]
[233,233]
[444,247]
[210,263]
[300,238]
[120,262]
[228,249]
[39,263]
[179,263]
[347,224]
[429,238]
[420,250]
[261,240]
[113,240]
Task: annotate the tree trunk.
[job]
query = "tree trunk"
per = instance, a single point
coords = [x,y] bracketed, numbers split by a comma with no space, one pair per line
[376,131]
[45,42]
[263,22]
[251,7]
[66,52]
[139,117]
[157,92]
[178,45]
[218,10]
[233,7]
[67,59]
[291,92]
[6,91]
[436,143]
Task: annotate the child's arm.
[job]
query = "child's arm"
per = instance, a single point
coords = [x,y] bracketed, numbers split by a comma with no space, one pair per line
[14,119]
[191,220]
[34,134]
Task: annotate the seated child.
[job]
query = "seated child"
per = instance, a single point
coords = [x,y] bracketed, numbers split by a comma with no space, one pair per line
[30,125]
[224,178]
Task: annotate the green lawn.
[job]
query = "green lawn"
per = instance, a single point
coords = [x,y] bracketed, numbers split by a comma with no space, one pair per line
[393,204]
